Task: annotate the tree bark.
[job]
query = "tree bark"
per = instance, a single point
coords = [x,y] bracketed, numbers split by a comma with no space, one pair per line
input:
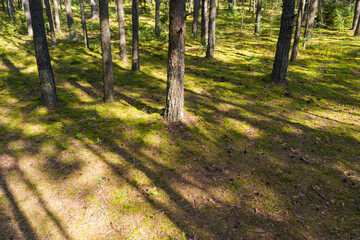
[281,62]
[10,10]
[57,16]
[258,17]
[51,22]
[310,20]
[69,16]
[108,75]
[27,16]
[47,83]
[122,32]
[83,23]
[135,36]
[357,30]
[356,14]
[3,5]
[195,18]
[210,53]
[295,49]
[94,9]
[253,8]
[174,110]
[204,21]
[157,17]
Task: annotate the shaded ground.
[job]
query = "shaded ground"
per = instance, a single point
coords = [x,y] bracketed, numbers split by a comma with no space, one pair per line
[253,160]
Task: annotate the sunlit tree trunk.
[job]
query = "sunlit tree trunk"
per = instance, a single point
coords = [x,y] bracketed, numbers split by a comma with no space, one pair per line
[108,76]
[295,49]
[281,62]
[258,17]
[356,14]
[157,17]
[51,22]
[94,9]
[57,16]
[204,21]
[174,110]
[83,23]
[135,36]
[10,10]
[69,16]
[27,16]
[122,32]
[210,53]
[196,18]
[310,20]
[47,83]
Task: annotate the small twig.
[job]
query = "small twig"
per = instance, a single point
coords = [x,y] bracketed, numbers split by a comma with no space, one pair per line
[318,193]
[188,14]
[114,227]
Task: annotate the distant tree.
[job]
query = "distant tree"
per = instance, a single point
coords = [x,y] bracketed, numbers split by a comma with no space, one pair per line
[157,17]
[10,10]
[281,62]
[83,23]
[258,17]
[231,5]
[253,8]
[210,53]
[356,14]
[47,83]
[51,22]
[135,36]
[295,49]
[27,16]
[108,75]
[57,16]
[94,9]
[69,17]
[195,18]
[122,32]
[310,20]
[3,5]
[204,21]
[174,110]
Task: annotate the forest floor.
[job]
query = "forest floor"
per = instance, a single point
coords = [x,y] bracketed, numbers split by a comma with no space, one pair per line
[252,161]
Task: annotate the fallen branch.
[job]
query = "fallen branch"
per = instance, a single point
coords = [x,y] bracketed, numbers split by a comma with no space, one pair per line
[318,193]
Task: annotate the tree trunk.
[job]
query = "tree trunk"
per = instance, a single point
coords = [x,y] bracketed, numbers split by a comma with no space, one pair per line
[47,83]
[57,16]
[94,9]
[204,21]
[135,36]
[51,22]
[174,110]
[27,16]
[10,9]
[83,23]
[283,45]
[357,30]
[3,5]
[122,32]
[108,76]
[242,15]
[196,18]
[69,17]
[258,17]
[210,53]
[356,14]
[295,49]
[253,8]
[157,17]
[230,5]
[310,20]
